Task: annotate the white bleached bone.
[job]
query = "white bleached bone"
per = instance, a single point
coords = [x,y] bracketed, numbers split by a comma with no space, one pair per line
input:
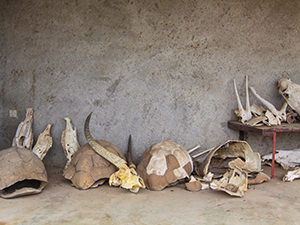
[292,175]
[291,93]
[280,115]
[24,135]
[286,158]
[44,143]
[69,141]
[244,114]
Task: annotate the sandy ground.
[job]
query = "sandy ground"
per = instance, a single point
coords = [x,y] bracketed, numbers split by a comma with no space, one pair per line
[273,203]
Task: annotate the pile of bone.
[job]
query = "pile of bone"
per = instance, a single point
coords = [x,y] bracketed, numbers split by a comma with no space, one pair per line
[229,167]
[289,160]
[257,115]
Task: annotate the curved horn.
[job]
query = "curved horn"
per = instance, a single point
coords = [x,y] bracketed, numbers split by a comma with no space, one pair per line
[129,154]
[114,159]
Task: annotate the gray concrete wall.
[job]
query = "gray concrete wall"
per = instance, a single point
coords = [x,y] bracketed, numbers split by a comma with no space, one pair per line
[155,69]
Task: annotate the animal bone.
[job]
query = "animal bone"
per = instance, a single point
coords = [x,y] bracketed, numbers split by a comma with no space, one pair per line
[24,135]
[259,178]
[44,143]
[291,93]
[271,119]
[257,121]
[233,182]
[287,159]
[129,154]
[257,110]
[244,114]
[193,185]
[292,175]
[232,149]
[125,177]
[69,141]
[280,115]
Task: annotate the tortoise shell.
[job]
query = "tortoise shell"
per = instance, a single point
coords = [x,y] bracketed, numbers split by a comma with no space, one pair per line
[21,173]
[87,168]
[164,164]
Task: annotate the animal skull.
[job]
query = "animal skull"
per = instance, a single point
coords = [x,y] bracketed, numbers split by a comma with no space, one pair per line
[291,93]
[24,135]
[244,114]
[125,177]
[44,143]
[69,141]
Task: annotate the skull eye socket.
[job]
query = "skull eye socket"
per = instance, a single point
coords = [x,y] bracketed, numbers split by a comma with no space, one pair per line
[286,95]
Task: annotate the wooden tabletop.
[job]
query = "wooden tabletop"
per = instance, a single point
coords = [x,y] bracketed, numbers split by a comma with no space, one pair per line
[265,130]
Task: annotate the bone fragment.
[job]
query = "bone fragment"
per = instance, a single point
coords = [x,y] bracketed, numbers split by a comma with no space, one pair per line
[259,178]
[233,182]
[257,121]
[243,114]
[24,135]
[201,153]
[193,149]
[286,158]
[291,117]
[69,141]
[257,110]
[290,91]
[292,175]
[279,115]
[44,143]
[193,185]
[271,119]
[208,177]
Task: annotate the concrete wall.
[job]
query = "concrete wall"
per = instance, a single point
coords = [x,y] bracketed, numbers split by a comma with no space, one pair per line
[155,69]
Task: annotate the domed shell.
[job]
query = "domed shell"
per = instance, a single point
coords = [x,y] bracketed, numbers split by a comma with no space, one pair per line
[21,173]
[164,164]
[87,168]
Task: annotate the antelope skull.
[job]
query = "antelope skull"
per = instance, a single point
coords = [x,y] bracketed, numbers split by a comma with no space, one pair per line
[244,114]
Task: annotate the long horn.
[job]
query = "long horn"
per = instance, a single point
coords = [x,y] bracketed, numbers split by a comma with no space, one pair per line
[247,97]
[271,107]
[129,154]
[114,159]
[240,107]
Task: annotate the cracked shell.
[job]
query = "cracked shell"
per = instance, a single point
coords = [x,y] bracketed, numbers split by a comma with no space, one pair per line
[89,169]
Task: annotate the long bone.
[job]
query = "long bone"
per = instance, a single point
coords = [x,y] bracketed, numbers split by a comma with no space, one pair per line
[280,115]
[244,114]
[125,177]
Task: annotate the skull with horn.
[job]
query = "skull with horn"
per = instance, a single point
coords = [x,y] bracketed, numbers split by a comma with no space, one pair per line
[126,176]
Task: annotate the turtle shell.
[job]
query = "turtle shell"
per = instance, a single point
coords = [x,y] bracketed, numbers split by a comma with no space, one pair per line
[87,168]
[21,173]
[164,164]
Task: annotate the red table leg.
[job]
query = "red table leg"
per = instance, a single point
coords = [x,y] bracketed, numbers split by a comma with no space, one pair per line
[273,155]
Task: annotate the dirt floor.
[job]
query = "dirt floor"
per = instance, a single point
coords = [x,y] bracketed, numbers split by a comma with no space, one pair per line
[273,203]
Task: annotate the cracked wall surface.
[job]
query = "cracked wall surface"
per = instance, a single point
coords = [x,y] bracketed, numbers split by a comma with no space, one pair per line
[153,69]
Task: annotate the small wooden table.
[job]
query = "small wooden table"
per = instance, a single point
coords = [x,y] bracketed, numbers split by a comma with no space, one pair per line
[264,131]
